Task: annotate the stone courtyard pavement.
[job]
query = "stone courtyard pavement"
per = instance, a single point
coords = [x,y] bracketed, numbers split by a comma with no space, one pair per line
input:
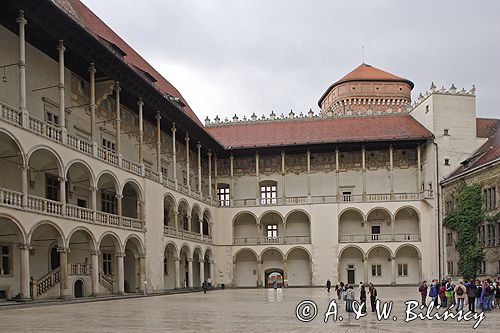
[240,310]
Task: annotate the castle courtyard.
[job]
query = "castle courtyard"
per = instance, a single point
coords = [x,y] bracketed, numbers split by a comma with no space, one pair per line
[230,310]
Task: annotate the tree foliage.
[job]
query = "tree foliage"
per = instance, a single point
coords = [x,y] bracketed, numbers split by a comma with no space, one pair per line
[465,220]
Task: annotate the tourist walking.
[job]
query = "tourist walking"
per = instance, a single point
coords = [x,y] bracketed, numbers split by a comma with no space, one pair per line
[349,298]
[204,285]
[328,285]
[460,292]
[373,297]
[423,292]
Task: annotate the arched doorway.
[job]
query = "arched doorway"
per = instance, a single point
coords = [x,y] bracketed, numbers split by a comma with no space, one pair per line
[11,235]
[131,265]
[44,179]
[379,225]
[351,266]
[245,269]
[79,289]
[351,228]
[107,187]
[272,261]
[131,197]
[273,275]
[169,273]
[78,193]
[184,275]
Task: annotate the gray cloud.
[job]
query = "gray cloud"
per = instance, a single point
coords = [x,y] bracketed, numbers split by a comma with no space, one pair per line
[233,56]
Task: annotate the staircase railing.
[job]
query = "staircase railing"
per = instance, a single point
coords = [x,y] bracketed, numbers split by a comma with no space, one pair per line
[106,282]
[47,282]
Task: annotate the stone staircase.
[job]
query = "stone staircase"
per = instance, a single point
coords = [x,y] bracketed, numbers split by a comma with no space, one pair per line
[43,285]
[106,282]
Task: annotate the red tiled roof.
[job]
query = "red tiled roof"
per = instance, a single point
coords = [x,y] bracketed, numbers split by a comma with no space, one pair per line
[320,130]
[485,127]
[93,24]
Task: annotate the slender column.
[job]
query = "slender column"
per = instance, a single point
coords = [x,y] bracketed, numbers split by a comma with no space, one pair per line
[231,190]
[201,225]
[392,229]
[142,273]
[118,118]
[189,222]
[308,173]
[158,143]
[419,167]
[365,264]
[188,173]
[216,175]
[259,273]
[93,197]
[62,108]
[64,283]
[177,273]
[24,185]
[311,272]
[174,156]
[391,169]
[62,194]
[419,269]
[337,173]
[257,179]
[283,173]
[93,133]
[393,270]
[190,272]
[24,272]
[95,272]
[209,174]
[119,198]
[140,104]
[363,165]
[212,271]
[285,272]
[22,67]
[120,274]
[198,146]
[202,271]
[176,220]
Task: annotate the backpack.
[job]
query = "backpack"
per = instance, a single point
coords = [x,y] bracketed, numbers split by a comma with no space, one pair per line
[460,291]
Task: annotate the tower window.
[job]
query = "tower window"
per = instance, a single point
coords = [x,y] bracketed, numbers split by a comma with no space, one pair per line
[446,161]
[446,132]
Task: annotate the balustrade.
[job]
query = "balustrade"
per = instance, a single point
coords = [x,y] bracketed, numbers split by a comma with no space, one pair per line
[10,198]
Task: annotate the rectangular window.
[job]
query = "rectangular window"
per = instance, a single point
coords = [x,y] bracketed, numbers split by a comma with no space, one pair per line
[108,202]
[223,196]
[5,260]
[446,161]
[402,269]
[450,267]
[426,108]
[376,270]
[268,194]
[490,235]
[490,198]
[81,203]
[482,268]
[109,145]
[52,187]
[107,267]
[375,232]
[446,132]
[449,239]
[346,196]
[272,231]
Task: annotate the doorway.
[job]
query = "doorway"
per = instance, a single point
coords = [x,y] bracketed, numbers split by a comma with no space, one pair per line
[272,275]
[351,277]
[78,292]
[55,258]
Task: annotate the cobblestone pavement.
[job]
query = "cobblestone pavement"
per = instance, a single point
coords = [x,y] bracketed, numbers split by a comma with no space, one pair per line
[240,310]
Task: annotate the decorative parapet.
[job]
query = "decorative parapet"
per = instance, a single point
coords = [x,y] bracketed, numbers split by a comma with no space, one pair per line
[434,91]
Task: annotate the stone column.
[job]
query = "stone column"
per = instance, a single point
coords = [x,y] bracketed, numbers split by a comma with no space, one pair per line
[392,229]
[140,104]
[24,271]
[283,173]
[62,194]
[189,222]
[174,156]
[202,271]
[365,267]
[337,174]
[121,273]
[198,146]
[363,165]
[257,179]
[188,173]
[190,272]
[420,269]
[119,204]
[95,272]
[209,174]
[62,108]
[176,220]
[419,168]
[177,273]
[393,270]
[93,134]
[142,273]
[64,283]
[216,176]
[212,271]
[285,272]
[93,197]
[308,173]
[311,271]
[24,185]
[158,143]
[22,68]
[118,118]
[391,170]
[231,189]
[259,273]
[201,225]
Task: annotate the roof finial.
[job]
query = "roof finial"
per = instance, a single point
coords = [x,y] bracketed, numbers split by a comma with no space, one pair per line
[363,47]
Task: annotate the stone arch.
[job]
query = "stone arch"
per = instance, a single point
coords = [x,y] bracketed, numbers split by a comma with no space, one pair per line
[110,174]
[245,228]
[379,246]
[379,208]
[184,214]
[353,209]
[298,226]
[172,245]
[185,246]
[114,238]
[351,225]
[16,142]
[298,248]
[133,250]
[137,243]
[298,272]
[197,259]
[135,185]
[417,250]
[408,207]
[206,223]
[272,227]
[79,180]
[59,233]
[379,221]
[132,198]
[297,210]
[379,264]
[185,255]
[272,262]
[209,252]
[12,163]
[169,210]
[245,269]
[85,164]
[245,212]
[90,234]
[408,264]
[107,186]
[351,266]
[352,246]
[407,224]
[245,249]
[19,229]
[195,218]
[52,151]
[269,212]
[185,204]
[170,254]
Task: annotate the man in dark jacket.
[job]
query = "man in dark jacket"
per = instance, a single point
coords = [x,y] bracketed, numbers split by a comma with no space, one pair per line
[471,295]
[423,292]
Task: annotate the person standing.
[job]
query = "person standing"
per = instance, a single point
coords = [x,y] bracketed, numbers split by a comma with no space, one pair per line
[497,294]
[441,293]
[373,297]
[423,292]
[349,298]
[471,295]
[448,292]
[328,285]
[460,292]
[362,298]
[433,292]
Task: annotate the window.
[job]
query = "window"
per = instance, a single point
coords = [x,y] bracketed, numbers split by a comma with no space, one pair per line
[81,203]
[482,268]
[51,118]
[223,195]
[51,187]
[272,231]
[482,234]
[375,232]
[450,267]
[491,235]
[346,196]
[448,206]
[268,193]
[446,161]
[449,239]
[107,267]
[108,202]
[376,270]
[402,269]
[165,266]
[5,260]
[109,145]
[490,198]
[445,133]
[426,108]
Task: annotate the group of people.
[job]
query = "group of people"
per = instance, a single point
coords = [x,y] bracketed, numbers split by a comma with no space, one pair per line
[480,295]
[347,293]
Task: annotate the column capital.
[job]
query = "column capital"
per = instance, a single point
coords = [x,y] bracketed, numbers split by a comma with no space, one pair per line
[119,254]
[173,127]
[175,212]
[20,18]
[117,86]
[119,196]
[94,253]
[23,246]
[140,102]
[189,259]
[63,250]
[392,258]
[60,46]
[176,258]
[92,69]
[201,261]
[62,179]
[285,261]
[158,115]
[209,153]
[93,188]
[198,145]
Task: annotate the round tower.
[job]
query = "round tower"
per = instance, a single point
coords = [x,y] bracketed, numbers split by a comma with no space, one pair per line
[367,90]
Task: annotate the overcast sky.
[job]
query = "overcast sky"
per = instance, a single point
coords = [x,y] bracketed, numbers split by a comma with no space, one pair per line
[235,56]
